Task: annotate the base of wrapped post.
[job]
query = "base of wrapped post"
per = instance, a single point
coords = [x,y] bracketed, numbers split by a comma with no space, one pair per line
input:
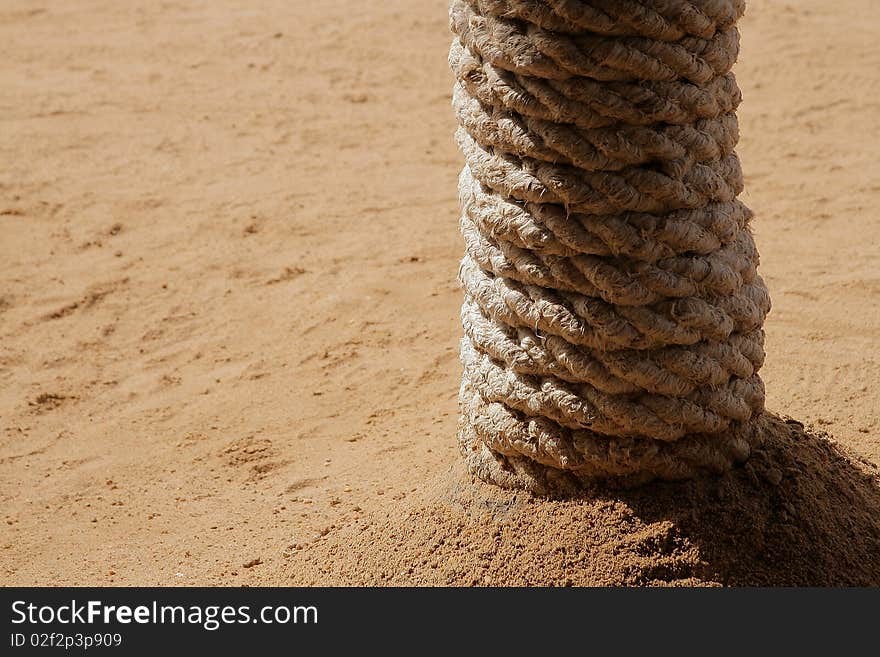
[538,455]
[800,512]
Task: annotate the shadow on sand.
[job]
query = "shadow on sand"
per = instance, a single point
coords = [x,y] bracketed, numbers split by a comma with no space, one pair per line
[801,511]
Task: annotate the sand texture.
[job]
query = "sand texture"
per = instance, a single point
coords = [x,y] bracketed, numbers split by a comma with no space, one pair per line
[229,315]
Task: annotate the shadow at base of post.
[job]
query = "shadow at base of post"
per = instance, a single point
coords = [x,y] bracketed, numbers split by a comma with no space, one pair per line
[802,511]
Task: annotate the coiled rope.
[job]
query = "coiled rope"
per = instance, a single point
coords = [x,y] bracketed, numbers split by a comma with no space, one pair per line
[613,312]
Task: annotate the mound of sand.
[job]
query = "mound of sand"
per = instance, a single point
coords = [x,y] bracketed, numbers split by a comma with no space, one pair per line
[800,512]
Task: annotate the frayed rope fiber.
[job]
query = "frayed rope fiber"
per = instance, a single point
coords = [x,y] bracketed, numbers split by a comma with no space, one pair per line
[612,309]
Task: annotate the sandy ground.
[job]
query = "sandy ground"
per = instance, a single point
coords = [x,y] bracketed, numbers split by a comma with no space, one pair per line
[228,249]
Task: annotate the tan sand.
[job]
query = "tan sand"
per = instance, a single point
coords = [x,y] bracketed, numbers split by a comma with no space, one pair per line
[229,316]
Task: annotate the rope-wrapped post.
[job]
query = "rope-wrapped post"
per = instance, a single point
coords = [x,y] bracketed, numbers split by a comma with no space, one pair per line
[612,308]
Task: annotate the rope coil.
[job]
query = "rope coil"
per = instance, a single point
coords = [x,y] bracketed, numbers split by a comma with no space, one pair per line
[613,312]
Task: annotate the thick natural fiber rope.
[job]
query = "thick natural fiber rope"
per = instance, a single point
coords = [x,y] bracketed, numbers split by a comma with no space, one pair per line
[613,309]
